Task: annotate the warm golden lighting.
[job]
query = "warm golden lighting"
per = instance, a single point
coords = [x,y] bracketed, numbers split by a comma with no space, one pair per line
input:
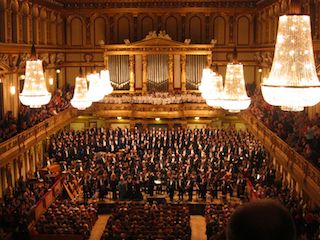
[96,91]
[105,81]
[234,96]
[211,87]
[157,119]
[206,72]
[196,118]
[58,70]
[51,81]
[12,90]
[293,83]
[34,93]
[119,118]
[80,98]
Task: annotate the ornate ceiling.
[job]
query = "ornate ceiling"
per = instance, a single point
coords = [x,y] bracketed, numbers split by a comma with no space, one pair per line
[153,3]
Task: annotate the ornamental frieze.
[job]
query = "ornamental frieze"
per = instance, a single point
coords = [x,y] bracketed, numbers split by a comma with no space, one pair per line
[162,4]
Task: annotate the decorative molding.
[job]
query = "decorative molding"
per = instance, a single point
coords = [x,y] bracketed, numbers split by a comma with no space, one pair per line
[157,4]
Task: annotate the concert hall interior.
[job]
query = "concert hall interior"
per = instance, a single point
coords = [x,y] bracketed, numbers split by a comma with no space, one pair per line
[155,119]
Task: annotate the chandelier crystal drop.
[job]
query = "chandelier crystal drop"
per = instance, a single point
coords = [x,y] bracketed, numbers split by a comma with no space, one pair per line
[215,90]
[211,87]
[105,81]
[204,79]
[80,98]
[293,83]
[234,96]
[96,91]
[34,93]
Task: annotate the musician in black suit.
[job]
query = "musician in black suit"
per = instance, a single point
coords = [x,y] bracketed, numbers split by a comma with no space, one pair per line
[171,188]
[181,185]
[189,188]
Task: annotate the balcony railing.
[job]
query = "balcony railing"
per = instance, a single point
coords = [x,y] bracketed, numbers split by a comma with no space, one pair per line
[302,171]
[24,140]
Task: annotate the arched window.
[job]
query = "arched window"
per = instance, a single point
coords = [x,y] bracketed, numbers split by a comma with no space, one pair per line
[76,32]
[99,30]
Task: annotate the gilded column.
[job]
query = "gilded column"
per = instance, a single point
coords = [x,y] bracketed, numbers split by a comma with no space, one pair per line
[144,74]
[9,175]
[209,60]
[183,73]
[9,27]
[19,28]
[132,73]
[88,31]
[106,61]
[1,184]
[170,67]
[231,29]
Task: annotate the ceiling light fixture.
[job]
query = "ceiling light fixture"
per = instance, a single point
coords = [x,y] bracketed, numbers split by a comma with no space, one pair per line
[80,98]
[234,96]
[293,83]
[34,93]
[96,91]
[105,82]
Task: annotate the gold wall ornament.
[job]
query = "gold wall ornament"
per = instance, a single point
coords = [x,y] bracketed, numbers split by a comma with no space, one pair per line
[156,44]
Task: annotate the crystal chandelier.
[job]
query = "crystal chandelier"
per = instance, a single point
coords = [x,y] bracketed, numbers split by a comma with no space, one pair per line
[34,93]
[204,80]
[96,91]
[211,87]
[293,83]
[213,99]
[234,96]
[105,81]
[80,98]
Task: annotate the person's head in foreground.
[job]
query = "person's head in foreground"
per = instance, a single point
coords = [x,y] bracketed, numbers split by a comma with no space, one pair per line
[261,220]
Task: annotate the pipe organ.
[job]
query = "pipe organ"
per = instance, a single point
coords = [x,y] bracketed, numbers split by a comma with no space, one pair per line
[119,69]
[156,64]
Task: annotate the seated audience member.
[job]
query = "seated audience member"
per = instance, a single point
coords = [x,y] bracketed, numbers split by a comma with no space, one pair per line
[28,117]
[263,220]
[295,128]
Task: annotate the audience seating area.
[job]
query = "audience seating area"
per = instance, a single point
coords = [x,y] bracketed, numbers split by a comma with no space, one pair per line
[295,128]
[148,221]
[67,218]
[217,164]
[16,212]
[28,117]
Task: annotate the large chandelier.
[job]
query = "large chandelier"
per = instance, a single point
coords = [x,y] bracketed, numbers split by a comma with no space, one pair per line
[34,93]
[105,81]
[293,83]
[80,98]
[211,87]
[96,91]
[234,96]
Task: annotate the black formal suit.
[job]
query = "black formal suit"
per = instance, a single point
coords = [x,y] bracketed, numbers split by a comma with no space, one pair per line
[181,185]
[171,188]
[189,188]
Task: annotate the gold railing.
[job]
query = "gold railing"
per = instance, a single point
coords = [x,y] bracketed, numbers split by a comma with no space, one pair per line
[127,110]
[14,146]
[302,171]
